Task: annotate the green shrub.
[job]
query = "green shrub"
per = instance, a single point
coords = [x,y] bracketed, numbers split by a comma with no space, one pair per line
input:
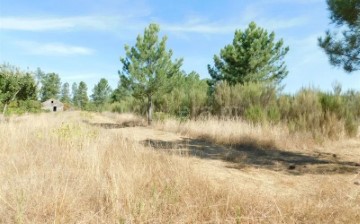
[255,114]
[24,106]
[236,100]
[351,126]
[284,104]
[273,114]
[332,104]
[306,111]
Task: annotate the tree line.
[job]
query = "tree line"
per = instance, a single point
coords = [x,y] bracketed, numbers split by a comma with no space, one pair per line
[23,91]
[245,81]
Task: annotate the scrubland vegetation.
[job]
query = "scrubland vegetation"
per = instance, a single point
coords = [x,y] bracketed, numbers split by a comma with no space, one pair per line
[233,148]
[57,168]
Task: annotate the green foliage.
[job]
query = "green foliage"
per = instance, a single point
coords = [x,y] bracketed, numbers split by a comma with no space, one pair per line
[186,98]
[50,86]
[74,92]
[255,114]
[351,126]
[254,56]
[24,106]
[284,104]
[148,68]
[343,49]
[235,100]
[101,94]
[331,114]
[15,85]
[81,95]
[120,107]
[306,111]
[322,114]
[273,114]
[65,93]
[332,104]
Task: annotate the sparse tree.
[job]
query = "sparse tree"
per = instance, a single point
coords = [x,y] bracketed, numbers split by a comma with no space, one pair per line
[343,49]
[74,90]
[253,56]
[101,93]
[50,86]
[148,67]
[81,95]
[65,93]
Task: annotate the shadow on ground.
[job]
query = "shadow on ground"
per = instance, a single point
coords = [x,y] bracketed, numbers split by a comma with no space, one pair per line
[250,154]
[125,124]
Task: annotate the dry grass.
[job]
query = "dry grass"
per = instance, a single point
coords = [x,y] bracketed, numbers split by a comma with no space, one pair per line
[54,168]
[236,131]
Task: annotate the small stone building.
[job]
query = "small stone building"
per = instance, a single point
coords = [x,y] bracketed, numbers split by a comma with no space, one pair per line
[53,105]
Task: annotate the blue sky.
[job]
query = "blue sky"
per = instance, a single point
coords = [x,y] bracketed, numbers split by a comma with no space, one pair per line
[82,40]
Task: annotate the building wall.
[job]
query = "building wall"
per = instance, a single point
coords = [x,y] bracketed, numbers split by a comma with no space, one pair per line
[53,105]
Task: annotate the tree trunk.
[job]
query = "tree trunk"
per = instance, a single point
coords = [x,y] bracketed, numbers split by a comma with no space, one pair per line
[7,104]
[5,108]
[150,110]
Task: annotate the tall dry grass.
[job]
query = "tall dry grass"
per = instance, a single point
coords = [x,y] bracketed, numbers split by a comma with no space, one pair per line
[235,131]
[56,169]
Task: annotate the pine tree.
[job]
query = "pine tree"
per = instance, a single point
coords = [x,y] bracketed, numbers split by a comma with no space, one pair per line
[82,96]
[253,56]
[101,93]
[65,93]
[50,86]
[74,90]
[343,49]
[148,68]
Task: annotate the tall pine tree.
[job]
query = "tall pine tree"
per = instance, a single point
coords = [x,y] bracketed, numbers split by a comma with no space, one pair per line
[81,95]
[253,56]
[50,86]
[148,67]
[65,93]
[74,91]
[101,93]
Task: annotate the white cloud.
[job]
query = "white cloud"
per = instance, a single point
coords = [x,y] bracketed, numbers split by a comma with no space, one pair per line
[282,23]
[53,49]
[43,24]
[230,27]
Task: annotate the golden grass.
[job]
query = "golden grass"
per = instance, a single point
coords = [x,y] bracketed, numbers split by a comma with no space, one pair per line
[237,131]
[54,168]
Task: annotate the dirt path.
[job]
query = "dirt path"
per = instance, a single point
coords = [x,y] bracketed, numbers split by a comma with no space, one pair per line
[273,170]
[212,161]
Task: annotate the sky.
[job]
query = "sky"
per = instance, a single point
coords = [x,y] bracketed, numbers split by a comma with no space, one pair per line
[83,40]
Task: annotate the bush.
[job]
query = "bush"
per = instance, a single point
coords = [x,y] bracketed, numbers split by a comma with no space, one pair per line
[236,100]
[332,104]
[273,114]
[351,126]
[306,111]
[255,114]
[284,104]
[21,107]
